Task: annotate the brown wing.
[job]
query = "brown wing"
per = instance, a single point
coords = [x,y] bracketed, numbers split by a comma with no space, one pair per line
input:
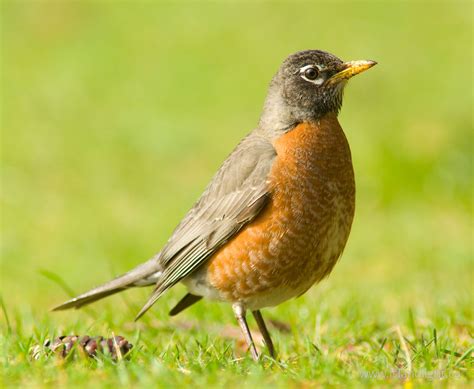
[235,196]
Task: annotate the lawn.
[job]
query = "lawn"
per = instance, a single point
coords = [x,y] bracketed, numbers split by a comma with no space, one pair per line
[115,115]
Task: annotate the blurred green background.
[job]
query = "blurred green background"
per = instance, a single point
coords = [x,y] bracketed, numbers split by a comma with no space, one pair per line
[115,115]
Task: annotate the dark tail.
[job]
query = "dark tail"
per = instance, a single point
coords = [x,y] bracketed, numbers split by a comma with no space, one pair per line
[143,275]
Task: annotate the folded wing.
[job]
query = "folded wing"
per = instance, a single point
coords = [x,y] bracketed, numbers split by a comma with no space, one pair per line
[235,196]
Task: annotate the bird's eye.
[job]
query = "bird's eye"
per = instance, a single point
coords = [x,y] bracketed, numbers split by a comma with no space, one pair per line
[311,73]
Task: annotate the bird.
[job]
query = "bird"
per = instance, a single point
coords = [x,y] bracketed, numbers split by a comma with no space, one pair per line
[275,218]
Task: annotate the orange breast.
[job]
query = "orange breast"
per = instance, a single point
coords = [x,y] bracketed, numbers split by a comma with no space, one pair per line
[299,236]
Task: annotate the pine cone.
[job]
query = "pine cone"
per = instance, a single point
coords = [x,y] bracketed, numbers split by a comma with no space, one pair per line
[117,347]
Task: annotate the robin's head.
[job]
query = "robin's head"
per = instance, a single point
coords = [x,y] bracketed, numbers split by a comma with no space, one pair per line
[310,84]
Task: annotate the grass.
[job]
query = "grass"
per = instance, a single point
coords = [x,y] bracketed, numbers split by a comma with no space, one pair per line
[116,115]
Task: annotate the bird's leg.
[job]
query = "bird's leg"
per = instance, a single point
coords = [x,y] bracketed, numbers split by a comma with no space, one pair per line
[239,312]
[264,331]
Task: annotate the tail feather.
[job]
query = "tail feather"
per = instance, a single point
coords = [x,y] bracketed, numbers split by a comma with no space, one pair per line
[143,275]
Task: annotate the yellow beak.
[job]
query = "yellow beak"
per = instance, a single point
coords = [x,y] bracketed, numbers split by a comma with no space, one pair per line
[350,69]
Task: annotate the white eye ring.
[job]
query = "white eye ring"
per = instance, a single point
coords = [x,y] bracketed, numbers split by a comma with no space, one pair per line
[304,74]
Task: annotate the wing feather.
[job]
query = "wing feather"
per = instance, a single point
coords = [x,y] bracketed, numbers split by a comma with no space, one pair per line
[235,196]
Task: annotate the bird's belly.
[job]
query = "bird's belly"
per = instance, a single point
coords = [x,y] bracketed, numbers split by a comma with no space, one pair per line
[297,238]
[275,259]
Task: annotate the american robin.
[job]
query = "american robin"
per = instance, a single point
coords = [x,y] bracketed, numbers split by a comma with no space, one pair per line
[276,216]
